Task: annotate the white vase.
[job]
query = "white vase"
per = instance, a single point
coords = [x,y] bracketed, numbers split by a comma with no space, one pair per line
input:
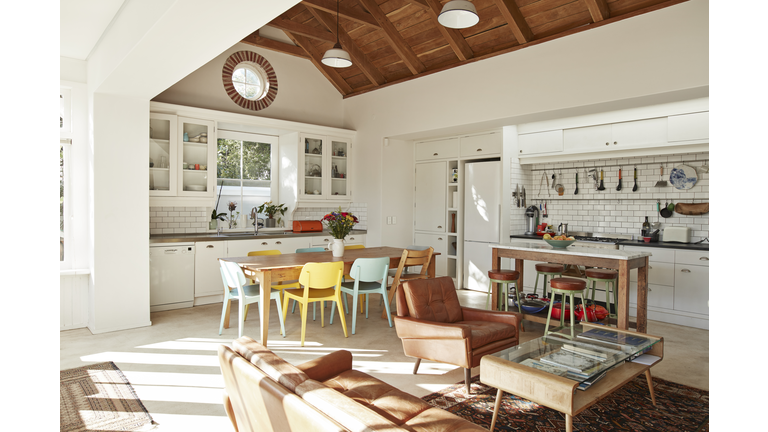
[337,247]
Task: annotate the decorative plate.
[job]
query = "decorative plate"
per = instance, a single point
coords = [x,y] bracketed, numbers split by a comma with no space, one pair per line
[683,177]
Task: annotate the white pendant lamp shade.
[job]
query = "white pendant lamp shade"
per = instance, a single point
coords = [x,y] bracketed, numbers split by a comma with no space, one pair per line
[336,57]
[458,14]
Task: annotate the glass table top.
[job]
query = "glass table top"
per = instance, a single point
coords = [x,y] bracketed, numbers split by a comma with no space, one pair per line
[585,358]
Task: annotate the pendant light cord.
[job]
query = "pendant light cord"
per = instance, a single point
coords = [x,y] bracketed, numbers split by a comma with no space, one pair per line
[337,21]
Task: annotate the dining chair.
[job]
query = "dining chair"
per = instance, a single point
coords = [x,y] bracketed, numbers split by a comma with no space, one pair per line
[392,271]
[412,257]
[319,282]
[348,247]
[348,278]
[305,250]
[279,285]
[370,277]
[235,288]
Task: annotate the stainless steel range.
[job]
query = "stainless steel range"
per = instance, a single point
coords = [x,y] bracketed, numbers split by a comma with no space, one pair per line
[599,240]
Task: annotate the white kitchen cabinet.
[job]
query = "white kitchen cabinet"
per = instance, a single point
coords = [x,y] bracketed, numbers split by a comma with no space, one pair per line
[440,243]
[237,248]
[616,136]
[692,281]
[588,138]
[162,155]
[325,241]
[540,142]
[483,145]
[197,148]
[430,197]
[688,127]
[207,275]
[437,150]
[324,169]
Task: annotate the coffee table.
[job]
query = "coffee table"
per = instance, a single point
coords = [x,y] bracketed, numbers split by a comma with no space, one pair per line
[523,370]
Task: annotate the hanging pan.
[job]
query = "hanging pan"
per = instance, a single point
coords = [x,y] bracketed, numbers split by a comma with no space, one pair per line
[666,211]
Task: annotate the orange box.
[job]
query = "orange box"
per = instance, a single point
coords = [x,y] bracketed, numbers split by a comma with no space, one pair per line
[307,226]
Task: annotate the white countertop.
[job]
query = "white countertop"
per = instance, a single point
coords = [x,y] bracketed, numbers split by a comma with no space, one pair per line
[539,246]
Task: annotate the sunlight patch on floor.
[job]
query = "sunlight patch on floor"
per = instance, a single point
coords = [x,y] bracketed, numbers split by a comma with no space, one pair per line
[186,423]
[186,345]
[401,368]
[179,394]
[153,358]
[175,379]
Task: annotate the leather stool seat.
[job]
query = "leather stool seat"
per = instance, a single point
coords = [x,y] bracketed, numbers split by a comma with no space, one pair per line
[505,275]
[605,274]
[568,284]
[549,268]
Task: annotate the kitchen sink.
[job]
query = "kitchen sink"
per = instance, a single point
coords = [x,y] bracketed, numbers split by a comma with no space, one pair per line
[239,234]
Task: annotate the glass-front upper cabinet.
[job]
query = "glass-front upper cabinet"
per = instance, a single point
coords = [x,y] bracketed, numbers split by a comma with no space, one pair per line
[162,153]
[323,168]
[197,155]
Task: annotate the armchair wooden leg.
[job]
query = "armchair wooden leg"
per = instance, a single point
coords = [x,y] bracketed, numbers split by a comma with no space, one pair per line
[467,378]
[416,366]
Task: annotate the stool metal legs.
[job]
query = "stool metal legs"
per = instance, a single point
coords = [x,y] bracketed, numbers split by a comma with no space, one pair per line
[544,288]
[504,294]
[612,283]
[563,293]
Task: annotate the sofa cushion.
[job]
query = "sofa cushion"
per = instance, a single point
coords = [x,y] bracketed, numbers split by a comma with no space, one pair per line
[270,363]
[486,332]
[433,300]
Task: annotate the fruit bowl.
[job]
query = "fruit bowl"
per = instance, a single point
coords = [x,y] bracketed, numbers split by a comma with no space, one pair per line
[559,244]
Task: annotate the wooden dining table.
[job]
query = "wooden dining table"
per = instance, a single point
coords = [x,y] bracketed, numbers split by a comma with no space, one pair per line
[270,269]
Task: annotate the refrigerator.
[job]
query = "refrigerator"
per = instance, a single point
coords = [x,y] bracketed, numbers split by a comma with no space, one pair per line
[482,214]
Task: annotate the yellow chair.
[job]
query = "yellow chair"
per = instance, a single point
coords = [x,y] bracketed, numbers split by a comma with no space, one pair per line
[319,282]
[354,247]
[279,286]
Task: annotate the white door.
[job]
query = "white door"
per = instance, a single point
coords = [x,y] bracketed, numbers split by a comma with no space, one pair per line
[429,205]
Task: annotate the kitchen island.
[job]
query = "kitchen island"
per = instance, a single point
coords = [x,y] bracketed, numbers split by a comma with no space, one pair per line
[622,261]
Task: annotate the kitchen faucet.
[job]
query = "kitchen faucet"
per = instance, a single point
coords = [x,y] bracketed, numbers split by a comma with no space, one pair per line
[254,215]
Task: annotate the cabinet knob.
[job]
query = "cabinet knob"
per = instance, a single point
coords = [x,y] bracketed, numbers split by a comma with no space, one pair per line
[439,226]
[704,259]
[607,143]
[209,247]
[614,143]
[479,149]
[351,238]
[278,242]
[264,244]
[439,238]
[434,154]
[326,240]
[521,151]
[685,271]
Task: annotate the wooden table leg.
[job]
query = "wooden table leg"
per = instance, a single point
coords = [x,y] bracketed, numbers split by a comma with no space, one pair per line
[496,406]
[265,287]
[431,269]
[495,265]
[642,298]
[226,314]
[650,386]
[568,423]
[622,319]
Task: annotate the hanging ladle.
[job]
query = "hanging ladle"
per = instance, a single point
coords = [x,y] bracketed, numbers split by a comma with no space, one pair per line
[634,188]
[601,187]
[618,188]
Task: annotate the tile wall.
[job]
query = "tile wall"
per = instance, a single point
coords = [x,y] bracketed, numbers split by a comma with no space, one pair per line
[611,211]
[185,220]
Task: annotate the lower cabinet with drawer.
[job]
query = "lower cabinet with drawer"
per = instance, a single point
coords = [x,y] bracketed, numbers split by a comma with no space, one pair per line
[207,275]
[678,286]
[325,241]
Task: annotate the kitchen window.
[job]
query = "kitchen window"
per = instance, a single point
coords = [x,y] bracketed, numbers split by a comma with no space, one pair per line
[65,210]
[246,171]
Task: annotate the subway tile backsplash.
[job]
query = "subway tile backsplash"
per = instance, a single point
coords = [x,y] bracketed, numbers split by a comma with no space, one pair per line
[611,211]
[187,220]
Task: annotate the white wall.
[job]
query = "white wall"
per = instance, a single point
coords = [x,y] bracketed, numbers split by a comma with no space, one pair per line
[662,52]
[303,95]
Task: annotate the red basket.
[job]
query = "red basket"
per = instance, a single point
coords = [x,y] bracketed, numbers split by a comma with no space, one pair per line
[594,313]
[556,311]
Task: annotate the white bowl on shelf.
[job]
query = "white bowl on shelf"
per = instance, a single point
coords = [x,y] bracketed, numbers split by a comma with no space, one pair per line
[195,188]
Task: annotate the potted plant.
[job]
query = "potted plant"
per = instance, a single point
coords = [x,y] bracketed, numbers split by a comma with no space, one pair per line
[215,217]
[271,210]
[233,215]
[339,224]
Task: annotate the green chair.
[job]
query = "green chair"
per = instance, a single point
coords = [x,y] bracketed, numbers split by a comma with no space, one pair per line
[235,289]
[564,287]
[609,277]
[547,269]
[370,277]
[306,250]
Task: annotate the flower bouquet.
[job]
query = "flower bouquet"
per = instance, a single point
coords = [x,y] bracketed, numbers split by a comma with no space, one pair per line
[339,224]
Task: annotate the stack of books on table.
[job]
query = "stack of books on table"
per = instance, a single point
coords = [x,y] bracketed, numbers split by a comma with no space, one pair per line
[579,364]
[613,337]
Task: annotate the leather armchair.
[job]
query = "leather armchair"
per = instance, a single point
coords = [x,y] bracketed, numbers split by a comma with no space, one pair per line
[433,325]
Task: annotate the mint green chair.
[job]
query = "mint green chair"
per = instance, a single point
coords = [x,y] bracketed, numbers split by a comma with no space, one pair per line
[370,277]
[235,289]
[305,250]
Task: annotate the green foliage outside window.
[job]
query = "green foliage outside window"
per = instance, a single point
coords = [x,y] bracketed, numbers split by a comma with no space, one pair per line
[256,159]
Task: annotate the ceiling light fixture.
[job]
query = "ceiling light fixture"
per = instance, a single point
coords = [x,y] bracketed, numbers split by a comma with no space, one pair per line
[458,14]
[336,57]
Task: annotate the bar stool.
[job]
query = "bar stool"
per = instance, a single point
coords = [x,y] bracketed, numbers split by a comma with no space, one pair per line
[547,269]
[595,275]
[564,287]
[504,278]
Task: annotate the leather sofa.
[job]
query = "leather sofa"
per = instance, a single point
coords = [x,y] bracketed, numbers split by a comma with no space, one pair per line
[433,325]
[266,393]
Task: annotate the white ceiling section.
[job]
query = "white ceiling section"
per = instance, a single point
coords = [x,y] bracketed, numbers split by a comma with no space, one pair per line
[82,24]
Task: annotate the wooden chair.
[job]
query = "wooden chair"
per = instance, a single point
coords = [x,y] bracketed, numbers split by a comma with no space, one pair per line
[410,257]
[319,282]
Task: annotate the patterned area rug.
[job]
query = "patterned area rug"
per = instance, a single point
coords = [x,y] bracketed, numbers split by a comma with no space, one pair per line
[99,398]
[678,409]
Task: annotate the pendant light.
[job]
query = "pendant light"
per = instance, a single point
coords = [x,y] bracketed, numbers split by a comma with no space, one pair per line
[458,14]
[336,57]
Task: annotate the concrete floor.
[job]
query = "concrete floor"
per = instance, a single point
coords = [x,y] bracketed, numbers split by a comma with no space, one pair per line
[174,369]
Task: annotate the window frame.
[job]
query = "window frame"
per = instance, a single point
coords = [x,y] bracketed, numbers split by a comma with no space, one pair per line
[273,141]
[261,75]
[68,210]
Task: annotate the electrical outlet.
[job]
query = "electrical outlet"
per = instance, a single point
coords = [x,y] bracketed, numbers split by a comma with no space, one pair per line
[389,220]
[394,220]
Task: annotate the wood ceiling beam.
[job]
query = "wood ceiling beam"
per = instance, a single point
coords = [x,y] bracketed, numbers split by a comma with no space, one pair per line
[315,57]
[355,53]
[348,13]
[255,40]
[420,4]
[598,9]
[303,30]
[402,49]
[454,38]
[514,18]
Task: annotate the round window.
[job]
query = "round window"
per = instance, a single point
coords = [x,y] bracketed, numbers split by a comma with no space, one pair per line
[249,80]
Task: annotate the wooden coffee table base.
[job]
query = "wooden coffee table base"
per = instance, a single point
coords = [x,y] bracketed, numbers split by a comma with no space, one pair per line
[556,392]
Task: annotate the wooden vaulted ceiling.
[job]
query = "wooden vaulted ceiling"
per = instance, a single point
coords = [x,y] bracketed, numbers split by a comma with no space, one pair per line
[392,41]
